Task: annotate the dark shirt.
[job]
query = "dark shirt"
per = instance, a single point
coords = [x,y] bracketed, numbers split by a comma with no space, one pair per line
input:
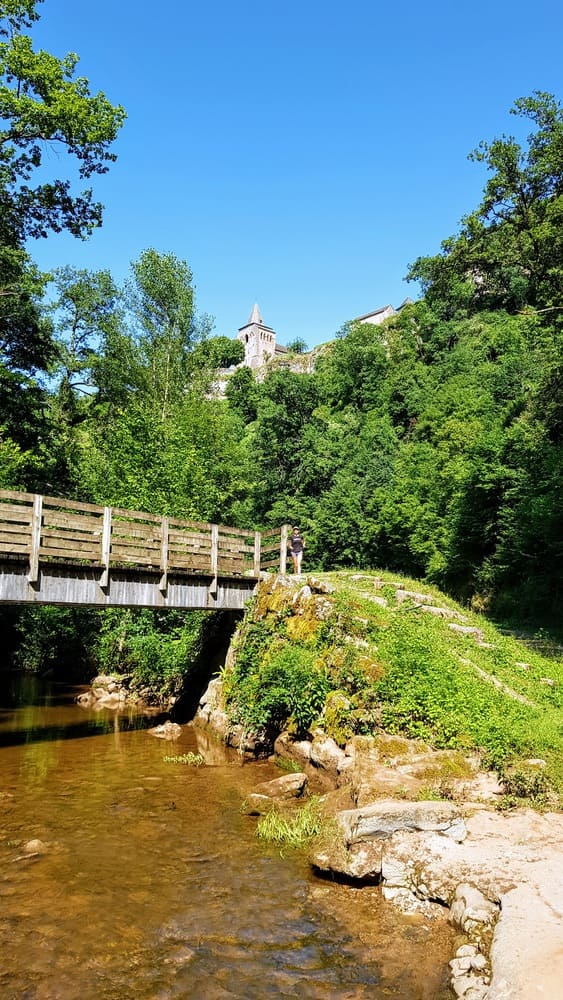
[296,543]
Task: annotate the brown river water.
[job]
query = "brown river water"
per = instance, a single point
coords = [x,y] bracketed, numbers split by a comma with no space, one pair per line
[153,884]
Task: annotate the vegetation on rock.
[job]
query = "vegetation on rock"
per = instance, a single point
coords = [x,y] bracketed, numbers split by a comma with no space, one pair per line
[395,666]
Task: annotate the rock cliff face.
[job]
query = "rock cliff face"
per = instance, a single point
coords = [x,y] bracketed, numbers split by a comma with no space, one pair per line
[498,874]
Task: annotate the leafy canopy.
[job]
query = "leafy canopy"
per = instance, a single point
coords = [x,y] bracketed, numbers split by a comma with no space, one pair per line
[42,106]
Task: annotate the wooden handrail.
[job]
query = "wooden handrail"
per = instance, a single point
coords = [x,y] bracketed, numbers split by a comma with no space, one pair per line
[45,529]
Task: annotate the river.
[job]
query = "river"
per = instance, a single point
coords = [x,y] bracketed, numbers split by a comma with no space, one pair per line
[151,884]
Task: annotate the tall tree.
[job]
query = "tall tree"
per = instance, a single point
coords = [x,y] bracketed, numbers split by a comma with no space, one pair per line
[509,250]
[43,106]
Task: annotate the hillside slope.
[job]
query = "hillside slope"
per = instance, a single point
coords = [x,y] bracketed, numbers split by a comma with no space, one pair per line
[365,653]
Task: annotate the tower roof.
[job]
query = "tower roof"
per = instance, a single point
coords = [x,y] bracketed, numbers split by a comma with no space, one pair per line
[255,316]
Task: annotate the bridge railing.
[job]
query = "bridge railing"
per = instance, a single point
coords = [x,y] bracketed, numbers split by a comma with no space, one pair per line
[49,529]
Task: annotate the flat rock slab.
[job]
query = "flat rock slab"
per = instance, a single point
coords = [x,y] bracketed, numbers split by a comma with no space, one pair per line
[382,818]
[527,950]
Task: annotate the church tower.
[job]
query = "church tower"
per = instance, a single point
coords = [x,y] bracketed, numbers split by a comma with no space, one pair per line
[259,340]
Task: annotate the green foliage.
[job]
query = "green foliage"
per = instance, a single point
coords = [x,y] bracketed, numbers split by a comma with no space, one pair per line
[397,668]
[159,649]
[274,682]
[57,640]
[509,251]
[297,346]
[189,758]
[41,104]
[291,831]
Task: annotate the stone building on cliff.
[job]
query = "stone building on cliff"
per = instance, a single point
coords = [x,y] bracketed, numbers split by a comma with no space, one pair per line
[259,341]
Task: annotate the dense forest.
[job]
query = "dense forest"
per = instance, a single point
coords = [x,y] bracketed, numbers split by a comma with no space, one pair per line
[431,444]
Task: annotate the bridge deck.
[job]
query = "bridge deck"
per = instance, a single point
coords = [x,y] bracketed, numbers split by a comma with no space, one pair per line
[67,552]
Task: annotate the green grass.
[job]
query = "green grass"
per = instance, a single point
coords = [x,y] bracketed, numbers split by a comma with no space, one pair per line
[192,759]
[291,831]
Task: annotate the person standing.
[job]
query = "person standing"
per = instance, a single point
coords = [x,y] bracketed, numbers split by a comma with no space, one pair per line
[296,547]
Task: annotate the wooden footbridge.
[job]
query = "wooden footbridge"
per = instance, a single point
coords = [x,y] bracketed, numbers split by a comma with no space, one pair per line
[55,551]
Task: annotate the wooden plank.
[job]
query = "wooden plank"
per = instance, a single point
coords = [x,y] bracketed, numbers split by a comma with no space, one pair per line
[269,564]
[187,562]
[106,547]
[201,554]
[52,536]
[163,584]
[11,547]
[203,550]
[59,504]
[33,574]
[120,550]
[80,522]
[136,515]
[178,522]
[134,530]
[11,532]
[270,548]
[271,533]
[74,551]
[235,548]
[192,533]
[231,567]
[225,530]
[87,538]
[66,555]
[283,548]
[124,554]
[12,512]
[26,498]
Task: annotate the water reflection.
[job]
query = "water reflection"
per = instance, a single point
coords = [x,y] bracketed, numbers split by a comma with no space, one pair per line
[152,884]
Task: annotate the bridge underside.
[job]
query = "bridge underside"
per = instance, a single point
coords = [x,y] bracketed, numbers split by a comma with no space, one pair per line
[120,588]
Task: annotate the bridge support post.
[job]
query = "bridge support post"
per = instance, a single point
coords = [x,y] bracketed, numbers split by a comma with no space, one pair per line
[36,517]
[257,545]
[163,555]
[106,547]
[283,549]
[214,558]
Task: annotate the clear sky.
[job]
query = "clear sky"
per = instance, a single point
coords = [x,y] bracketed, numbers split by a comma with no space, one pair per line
[298,154]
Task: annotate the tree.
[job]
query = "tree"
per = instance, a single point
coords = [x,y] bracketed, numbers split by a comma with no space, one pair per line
[160,299]
[42,107]
[219,352]
[509,251]
[297,346]
[84,311]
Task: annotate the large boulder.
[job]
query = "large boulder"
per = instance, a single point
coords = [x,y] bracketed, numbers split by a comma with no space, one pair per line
[382,818]
[275,792]
[359,862]
[211,712]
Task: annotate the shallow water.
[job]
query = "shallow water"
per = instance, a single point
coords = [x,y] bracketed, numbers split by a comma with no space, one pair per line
[154,885]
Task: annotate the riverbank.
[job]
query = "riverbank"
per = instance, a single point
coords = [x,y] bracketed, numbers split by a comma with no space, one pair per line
[424,818]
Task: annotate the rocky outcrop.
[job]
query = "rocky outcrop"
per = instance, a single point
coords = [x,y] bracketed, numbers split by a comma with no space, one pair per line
[503,881]
[113,692]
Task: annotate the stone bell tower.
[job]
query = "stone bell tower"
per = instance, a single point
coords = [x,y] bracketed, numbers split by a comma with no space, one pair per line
[259,340]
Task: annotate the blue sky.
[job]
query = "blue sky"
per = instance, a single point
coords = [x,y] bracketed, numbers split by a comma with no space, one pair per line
[298,154]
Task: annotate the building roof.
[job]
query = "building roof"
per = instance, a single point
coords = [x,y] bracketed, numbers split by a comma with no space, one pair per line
[255,315]
[374,312]
[255,319]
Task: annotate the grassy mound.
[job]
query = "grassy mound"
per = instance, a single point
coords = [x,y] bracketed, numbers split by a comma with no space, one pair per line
[385,653]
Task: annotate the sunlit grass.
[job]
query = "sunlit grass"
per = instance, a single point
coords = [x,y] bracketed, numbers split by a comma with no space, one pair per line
[291,831]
